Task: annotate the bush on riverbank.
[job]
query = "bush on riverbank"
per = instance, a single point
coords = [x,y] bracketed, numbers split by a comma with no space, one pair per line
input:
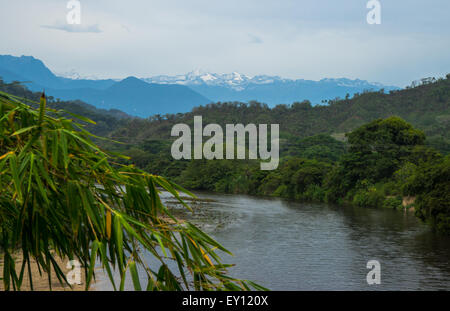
[431,183]
[393,203]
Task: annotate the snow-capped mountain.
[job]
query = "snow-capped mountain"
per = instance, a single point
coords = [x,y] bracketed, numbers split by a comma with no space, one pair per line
[235,81]
[74,75]
[272,90]
[238,81]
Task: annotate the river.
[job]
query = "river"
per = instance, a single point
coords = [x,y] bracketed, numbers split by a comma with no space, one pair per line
[300,246]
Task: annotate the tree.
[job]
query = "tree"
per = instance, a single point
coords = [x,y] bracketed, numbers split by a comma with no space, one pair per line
[431,184]
[379,147]
[61,195]
[377,150]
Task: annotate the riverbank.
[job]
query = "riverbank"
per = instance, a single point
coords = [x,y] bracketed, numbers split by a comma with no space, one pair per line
[40,278]
[399,203]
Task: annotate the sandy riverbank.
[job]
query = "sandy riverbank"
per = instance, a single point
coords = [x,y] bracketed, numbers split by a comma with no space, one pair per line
[40,282]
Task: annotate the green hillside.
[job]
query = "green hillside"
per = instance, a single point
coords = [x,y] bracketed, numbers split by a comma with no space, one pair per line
[426,107]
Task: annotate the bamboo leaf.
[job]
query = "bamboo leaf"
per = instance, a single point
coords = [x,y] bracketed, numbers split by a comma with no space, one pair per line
[24,130]
[108,223]
[94,250]
[80,117]
[135,276]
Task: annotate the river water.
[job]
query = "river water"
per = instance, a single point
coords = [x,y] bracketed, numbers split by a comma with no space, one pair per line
[298,246]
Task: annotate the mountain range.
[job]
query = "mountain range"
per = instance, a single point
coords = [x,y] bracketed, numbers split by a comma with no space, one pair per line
[130,95]
[272,90]
[173,94]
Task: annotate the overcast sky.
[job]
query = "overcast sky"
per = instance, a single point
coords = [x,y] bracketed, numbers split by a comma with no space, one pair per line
[309,39]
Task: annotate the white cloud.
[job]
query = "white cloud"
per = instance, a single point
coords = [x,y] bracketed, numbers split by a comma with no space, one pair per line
[74,27]
[255,39]
[292,38]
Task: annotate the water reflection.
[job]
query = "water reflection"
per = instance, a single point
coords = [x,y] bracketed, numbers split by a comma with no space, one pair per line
[292,246]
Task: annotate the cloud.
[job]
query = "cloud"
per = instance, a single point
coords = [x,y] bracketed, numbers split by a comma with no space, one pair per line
[301,38]
[74,28]
[126,28]
[255,39]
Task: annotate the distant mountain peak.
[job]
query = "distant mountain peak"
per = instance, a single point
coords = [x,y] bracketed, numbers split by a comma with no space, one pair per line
[74,75]
[200,77]
[19,58]
[130,82]
[132,79]
[238,82]
[272,90]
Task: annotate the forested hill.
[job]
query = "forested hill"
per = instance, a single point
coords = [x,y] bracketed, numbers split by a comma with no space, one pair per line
[427,107]
[107,120]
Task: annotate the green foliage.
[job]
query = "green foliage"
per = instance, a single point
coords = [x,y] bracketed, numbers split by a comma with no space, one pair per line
[61,195]
[226,176]
[319,147]
[313,193]
[431,184]
[303,181]
[369,197]
[106,121]
[393,203]
[383,144]
[383,134]
[377,150]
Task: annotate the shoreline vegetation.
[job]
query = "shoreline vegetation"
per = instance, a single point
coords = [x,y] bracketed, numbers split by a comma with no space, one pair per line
[386,165]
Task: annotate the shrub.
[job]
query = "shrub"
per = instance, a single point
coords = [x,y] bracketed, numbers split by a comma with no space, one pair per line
[393,203]
[368,198]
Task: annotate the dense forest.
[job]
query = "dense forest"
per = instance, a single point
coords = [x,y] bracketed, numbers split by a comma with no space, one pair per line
[373,150]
